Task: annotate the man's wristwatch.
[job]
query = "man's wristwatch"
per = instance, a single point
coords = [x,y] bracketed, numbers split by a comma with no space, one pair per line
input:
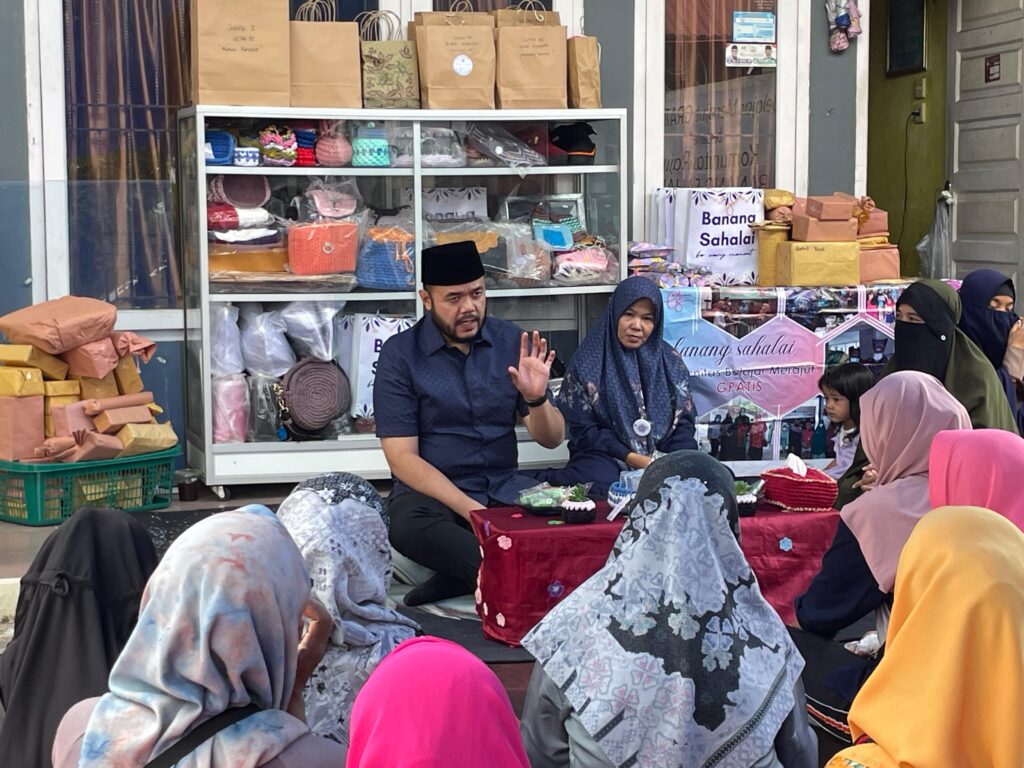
[538,402]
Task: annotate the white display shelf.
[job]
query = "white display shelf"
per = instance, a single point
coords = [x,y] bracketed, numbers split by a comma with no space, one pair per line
[231,463]
[316,170]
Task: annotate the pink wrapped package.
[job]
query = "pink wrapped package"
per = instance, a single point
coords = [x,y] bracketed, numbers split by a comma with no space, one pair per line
[94,360]
[230,408]
[128,343]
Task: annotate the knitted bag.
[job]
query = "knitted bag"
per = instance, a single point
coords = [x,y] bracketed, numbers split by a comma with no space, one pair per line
[371,149]
[312,395]
[323,248]
[239,191]
[784,488]
[333,149]
[387,260]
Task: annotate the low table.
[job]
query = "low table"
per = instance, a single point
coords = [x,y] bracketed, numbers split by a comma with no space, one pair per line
[531,563]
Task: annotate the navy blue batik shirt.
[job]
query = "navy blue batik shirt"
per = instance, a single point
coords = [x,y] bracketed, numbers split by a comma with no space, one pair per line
[463,408]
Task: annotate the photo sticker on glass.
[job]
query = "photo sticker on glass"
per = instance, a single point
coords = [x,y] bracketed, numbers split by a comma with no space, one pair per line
[750,55]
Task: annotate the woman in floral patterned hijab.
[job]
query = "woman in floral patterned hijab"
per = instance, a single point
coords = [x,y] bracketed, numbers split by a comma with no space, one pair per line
[669,655]
[337,521]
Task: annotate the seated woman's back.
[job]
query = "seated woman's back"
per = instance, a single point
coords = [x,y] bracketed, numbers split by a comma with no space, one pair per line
[669,656]
[218,629]
[77,606]
[951,686]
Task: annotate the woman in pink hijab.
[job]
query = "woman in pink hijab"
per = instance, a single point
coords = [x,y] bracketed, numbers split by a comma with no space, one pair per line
[900,417]
[432,704]
[982,468]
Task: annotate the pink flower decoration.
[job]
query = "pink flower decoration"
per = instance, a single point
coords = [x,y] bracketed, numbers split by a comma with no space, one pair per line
[505,542]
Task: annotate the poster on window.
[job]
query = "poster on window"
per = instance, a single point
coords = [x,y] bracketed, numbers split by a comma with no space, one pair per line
[755,356]
[753,27]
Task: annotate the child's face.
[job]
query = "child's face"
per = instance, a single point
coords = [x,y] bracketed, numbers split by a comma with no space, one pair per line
[837,407]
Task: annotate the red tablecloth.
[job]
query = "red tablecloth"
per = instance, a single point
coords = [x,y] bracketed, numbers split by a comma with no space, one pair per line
[529,565]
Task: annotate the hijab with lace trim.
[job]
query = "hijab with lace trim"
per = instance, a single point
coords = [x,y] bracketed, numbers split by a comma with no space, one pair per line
[670,655]
[218,629]
[336,522]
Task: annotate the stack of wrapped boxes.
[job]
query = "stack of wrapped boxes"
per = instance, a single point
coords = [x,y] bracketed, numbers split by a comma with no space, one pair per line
[70,388]
[837,240]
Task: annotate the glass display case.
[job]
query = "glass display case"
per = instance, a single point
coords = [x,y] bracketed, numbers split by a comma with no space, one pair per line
[301,224]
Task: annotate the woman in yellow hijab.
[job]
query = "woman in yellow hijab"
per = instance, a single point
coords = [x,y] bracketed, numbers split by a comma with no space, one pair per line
[951,684]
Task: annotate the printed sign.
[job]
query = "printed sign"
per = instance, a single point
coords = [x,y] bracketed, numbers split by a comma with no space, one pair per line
[753,27]
[750,55]
[993,68]
[755,356]
[712,231]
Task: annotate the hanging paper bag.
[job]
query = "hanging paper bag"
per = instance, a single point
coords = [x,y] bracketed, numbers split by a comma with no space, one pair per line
[391,78]
[324,58]
[240,53]
[460,13]
[531,66]
[584,54]
[457,60]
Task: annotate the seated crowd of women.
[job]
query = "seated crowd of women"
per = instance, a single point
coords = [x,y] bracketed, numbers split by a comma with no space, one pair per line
[264,639]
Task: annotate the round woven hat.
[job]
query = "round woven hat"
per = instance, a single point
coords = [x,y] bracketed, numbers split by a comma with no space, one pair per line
[240,191]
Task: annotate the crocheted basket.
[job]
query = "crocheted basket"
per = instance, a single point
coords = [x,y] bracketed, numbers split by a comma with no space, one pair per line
[222,143]
[323,248]
[333,151]
[784,488]
[371,149]
[387,260]
[239,191]
[315,393]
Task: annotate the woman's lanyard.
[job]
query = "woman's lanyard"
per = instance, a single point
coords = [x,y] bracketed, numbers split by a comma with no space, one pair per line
[642,427]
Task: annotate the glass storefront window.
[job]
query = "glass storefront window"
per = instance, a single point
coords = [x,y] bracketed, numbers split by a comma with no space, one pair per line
[720,97]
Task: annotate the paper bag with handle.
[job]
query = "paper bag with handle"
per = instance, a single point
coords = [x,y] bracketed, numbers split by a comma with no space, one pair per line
[391,78]
[324,58]
[240,53]
[531,62]
[584,72]
[538,15]
[460,13]
[457,60]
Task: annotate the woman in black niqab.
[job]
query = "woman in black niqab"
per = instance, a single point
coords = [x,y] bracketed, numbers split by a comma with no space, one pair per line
[77,605]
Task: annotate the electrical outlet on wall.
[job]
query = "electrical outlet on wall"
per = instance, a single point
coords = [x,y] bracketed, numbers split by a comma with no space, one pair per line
[920,88]
[920,113]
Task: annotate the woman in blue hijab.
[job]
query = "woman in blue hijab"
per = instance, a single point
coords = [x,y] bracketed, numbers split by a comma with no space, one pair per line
[988,319]
[626,394]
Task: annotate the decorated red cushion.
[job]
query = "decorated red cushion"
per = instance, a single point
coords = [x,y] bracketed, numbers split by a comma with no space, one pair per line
[785,488]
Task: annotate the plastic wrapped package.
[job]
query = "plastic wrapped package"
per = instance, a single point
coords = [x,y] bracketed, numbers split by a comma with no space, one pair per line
[587,266]
[329,200]
[264,412]
[230,409]
[225,340]
[936,248]
[525,264]
[495,142]
[265,347]
[310,327]
[489,243]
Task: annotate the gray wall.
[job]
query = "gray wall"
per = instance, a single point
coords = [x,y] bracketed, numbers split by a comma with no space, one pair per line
[611,22]
[15,256]
[833,138]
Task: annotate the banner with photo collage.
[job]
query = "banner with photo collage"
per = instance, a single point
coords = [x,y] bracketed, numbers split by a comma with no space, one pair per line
[755,356]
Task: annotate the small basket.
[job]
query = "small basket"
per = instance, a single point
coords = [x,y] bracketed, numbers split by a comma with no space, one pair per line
[48,494]
[387,260]
[813,493]
[222,143]
[371,149]
[323,248]
[246,157]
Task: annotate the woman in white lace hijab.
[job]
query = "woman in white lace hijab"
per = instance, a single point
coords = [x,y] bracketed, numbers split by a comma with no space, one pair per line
[669,656]
[337,521]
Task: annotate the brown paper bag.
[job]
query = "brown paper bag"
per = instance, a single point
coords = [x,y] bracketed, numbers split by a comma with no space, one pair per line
[391,76]
[460,13]
[240,53]
[457,66]
[324,59]
[584,72]
[531,67]
[527,12]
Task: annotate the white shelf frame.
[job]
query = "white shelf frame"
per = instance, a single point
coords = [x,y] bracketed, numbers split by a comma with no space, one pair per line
[243,463]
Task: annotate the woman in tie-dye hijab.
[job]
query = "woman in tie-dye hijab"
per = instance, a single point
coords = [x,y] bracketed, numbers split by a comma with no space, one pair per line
[218,629]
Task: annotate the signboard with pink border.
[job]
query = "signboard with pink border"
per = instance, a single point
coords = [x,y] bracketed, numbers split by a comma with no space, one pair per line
[755,356]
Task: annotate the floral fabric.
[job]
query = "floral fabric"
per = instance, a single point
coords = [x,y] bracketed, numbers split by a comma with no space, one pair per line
[336,521]
[670,655]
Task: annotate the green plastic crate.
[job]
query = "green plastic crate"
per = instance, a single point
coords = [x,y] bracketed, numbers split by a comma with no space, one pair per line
[48,494]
